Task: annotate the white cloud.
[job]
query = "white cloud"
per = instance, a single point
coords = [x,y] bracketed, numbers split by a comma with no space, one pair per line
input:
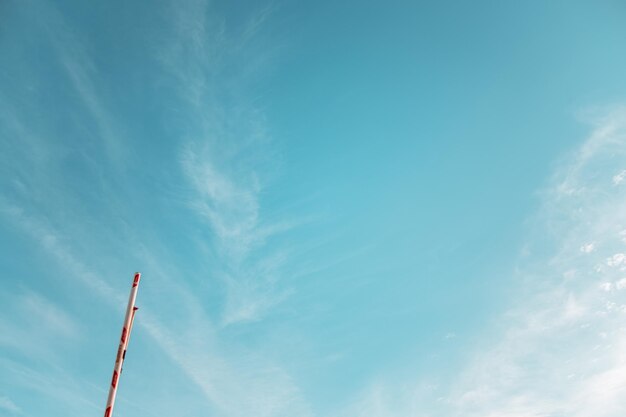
[561,348]
[35,326]
[70,394]
[241,386]
[9,406]
[231,208]
[616,260]
[81,71]
[218,156]
[52,316]
[587,247]
[617,179]
[544,363]
[226,156]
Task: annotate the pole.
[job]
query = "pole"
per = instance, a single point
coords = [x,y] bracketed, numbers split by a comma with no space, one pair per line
[121,350]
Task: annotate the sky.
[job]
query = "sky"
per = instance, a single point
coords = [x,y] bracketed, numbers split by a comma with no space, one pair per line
[339,208]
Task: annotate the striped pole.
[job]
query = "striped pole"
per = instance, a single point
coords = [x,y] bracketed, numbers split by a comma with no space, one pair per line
[121,350]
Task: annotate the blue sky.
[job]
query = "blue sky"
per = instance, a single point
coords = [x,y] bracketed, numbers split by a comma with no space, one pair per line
[370,209]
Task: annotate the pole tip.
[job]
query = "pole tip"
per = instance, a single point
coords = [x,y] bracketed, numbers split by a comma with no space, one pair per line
[137,278]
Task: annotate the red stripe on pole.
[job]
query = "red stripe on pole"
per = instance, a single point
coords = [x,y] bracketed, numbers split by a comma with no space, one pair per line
[114,380]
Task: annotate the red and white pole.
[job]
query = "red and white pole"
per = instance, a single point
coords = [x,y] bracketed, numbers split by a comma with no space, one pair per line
[121,350]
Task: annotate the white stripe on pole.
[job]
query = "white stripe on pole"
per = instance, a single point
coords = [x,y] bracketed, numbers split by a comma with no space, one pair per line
[121,350]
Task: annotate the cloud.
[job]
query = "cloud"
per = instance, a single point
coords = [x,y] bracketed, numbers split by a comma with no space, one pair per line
[60,391]
[231,208]
[9,406]
[54,242]
[561,352]
[229,204]
[236,383]
[616,260]
[34,326]
[587,248]
[77,66]
[53,317]
[558,349]
[226,155]
[225,159]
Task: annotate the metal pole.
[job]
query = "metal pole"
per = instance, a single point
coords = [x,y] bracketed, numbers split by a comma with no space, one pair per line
[121,350]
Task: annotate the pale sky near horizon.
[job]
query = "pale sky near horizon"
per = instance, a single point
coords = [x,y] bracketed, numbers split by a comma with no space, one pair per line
[339,208]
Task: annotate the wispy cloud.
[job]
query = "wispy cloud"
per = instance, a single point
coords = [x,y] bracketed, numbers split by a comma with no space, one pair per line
[226,155]
[76,63]
[235,386]
[60,390]
[560,354]
[231,209]
[559,349]
[223,155]
[9,406]
[235,390]
[55,243]
[33,326]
